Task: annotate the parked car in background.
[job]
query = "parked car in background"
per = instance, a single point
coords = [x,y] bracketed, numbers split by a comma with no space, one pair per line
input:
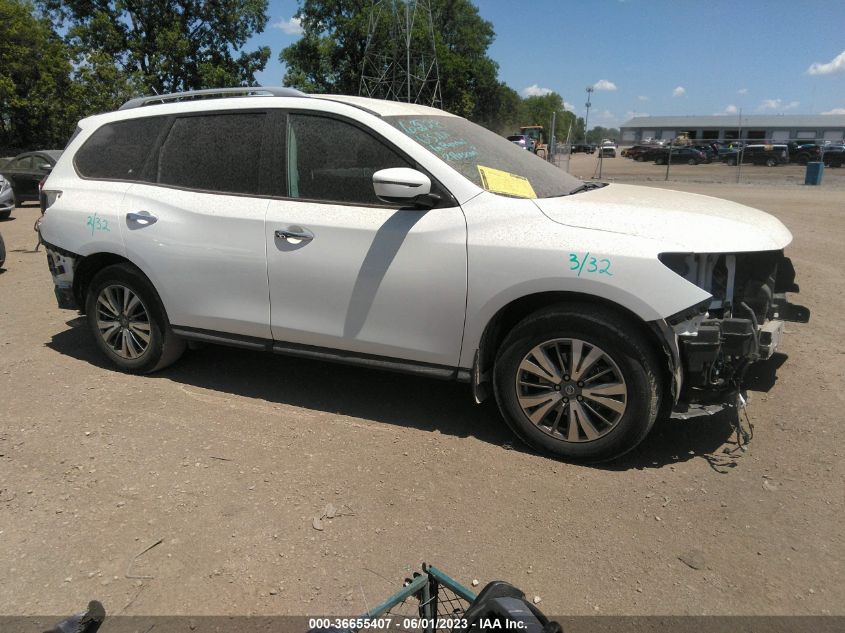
[524,141]
[26,170]
[769,155]
[637,152]
[608,151]
[709,152]
[586,148]
[803,153]
[687,155]
[7,199]
[834,155]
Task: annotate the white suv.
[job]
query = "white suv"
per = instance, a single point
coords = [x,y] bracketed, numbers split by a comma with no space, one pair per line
[401,237]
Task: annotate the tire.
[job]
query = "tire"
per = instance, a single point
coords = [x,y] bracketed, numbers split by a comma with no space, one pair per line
[771,162]
[692,161]
[639,159]
[731,162]
[803,159]
[4,215]
[660,161]
[123,343]
[622,360]
[2,252]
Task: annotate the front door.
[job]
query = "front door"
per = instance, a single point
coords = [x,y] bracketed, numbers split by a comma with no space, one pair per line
[348,272]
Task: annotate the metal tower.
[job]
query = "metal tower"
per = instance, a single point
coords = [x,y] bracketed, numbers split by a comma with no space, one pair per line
[400,62]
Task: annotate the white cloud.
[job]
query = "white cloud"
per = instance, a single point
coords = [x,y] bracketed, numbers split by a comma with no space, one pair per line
[604,84]
[605,118]
[680,91]
[642,98]
[742,91]
[568,106]
[535,91]
[291,27]
[835,111]
[731,109]
[833,67]
[778,104]
[630,114]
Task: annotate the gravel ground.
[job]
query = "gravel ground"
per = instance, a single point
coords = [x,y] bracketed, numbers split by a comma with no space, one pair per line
[227,457]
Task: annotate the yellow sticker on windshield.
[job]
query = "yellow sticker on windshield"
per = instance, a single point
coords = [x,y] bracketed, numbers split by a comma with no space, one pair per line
[504,182]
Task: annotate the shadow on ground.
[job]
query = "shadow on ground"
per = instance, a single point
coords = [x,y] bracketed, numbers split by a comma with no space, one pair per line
[408,401]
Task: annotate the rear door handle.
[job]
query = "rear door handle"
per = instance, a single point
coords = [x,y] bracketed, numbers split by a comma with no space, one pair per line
[294,235]
[140,219]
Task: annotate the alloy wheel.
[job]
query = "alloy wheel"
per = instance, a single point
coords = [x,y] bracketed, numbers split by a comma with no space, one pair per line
[571,390]
[123,321]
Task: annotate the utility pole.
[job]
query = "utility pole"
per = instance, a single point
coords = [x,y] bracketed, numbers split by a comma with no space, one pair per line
[590,90]
[398,66]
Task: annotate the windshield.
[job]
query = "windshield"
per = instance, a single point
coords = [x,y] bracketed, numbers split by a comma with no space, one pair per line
[487,159]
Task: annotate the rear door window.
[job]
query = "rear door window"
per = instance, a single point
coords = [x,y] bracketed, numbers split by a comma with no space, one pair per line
[214,152]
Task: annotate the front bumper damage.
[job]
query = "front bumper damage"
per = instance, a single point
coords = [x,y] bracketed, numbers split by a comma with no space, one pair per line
[711,346]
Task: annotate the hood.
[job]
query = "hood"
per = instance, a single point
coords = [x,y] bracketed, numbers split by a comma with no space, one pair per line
[679,221]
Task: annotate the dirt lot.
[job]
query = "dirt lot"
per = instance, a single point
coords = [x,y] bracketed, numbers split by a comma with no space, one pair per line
[227,457]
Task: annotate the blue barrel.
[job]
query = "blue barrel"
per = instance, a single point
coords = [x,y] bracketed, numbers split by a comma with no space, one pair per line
[815,171]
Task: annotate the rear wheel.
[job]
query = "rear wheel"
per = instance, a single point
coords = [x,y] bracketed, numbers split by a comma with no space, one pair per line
[579,382]
[771,162]
[639,159]
[731,162]
[128,321]
[692,161]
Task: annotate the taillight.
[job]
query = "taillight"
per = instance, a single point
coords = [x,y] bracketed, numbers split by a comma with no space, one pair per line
[47,196]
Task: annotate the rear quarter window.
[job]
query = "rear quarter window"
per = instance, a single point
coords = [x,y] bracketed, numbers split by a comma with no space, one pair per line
[118,151]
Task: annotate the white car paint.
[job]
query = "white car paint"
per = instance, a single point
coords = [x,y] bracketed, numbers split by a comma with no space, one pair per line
[673,220]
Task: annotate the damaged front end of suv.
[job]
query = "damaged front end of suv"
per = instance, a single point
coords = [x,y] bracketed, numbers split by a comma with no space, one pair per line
[742,322]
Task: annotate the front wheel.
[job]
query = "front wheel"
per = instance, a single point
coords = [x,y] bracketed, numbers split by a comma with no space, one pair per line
[692,161]
[579,382]
[128,321]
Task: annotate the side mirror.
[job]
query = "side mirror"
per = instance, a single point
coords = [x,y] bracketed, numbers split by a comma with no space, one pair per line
[402,185]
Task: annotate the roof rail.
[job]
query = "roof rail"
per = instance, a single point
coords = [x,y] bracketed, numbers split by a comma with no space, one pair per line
[246,91]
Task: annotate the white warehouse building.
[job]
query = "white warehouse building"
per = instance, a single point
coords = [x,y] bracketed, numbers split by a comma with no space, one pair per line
[778,128]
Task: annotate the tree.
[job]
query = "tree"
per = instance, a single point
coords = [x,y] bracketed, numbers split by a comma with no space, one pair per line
[599,133]
[537,110]
[35,85]
[330,55]
[161,45]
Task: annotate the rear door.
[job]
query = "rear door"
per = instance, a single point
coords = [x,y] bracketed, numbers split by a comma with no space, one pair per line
[197,228]
[365,277]
[18,172]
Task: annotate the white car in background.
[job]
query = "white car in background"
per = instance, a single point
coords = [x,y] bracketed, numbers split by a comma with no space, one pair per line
[401,237]
[7,198]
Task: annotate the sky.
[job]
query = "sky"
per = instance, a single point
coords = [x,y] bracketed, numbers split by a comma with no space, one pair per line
[653,57]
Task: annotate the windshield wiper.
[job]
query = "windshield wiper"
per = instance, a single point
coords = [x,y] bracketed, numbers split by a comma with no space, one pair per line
[587,186]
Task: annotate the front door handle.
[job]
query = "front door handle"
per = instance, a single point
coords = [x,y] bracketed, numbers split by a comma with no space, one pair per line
[294,235]
[140,220]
